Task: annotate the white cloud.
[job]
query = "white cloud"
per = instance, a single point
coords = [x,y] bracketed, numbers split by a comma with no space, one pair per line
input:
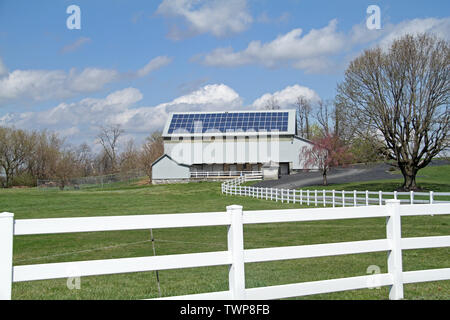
[265,18]
[217,17]
[119,107]
[41,85]
[69,132]
[320,50]
[383,37]
[292,47]
[75,45]
[153,65]
[208,98]
[80,120]
[287,97]
[438,27]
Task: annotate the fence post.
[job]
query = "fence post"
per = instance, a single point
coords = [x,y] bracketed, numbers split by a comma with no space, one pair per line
[380,197]
[343,198]
[324,200]
[354,198]
[394,234]
[236,274]
[334,200]
[315,197]
[6,254]
[411,196]
[307,197]
[367,197]
[431,197]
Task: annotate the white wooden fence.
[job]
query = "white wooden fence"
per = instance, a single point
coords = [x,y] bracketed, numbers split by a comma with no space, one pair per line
[326,197]
[235,257]
[207,174]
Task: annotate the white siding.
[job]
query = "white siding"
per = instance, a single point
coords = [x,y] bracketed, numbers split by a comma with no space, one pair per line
[166,168]
[263,150]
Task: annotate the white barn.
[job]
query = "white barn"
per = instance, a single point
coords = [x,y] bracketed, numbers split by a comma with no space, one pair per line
[229,141]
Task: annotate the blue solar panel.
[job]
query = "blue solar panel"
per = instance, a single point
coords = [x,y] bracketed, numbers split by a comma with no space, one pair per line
[223,122]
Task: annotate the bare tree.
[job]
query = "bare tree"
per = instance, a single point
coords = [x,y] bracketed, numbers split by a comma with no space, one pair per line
[129,158]
[272,104]
[44,154]
[152,149]
[324,116]
[403,94]
[109,138]
[303,117]
[84,159]
[66,167]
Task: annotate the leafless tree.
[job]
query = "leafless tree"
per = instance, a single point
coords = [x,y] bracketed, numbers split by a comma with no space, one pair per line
[44,153]
[303,117]
[109,138]
[272,104]
[403,94]
[152,149]
[84,159]
[325,116]
[129,158]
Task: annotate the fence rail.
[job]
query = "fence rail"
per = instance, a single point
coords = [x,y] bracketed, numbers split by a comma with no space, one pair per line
[207,174]
[235,257]
[327,197]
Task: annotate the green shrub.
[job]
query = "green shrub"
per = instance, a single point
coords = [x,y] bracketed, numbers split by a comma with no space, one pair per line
[24,179]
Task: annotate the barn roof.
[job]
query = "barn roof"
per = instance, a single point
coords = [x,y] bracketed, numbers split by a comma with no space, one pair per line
[230,123]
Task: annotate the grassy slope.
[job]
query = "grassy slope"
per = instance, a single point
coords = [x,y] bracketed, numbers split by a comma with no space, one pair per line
[204,197]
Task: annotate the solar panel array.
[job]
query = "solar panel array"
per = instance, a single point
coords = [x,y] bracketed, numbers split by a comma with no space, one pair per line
[229,122]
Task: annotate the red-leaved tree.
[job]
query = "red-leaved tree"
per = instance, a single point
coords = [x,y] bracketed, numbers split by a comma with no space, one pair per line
[326,152]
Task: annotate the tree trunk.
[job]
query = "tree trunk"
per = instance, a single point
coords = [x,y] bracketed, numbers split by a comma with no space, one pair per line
[8,178]
[409,178]
[307,127]
[324,175]
[409,183]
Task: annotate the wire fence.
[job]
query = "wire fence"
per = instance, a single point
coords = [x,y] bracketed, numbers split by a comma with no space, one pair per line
[92,181]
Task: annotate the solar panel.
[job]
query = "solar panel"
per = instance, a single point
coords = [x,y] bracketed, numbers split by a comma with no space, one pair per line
[229,122]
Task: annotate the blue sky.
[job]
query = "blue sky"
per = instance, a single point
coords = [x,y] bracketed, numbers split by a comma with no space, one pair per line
[132,62]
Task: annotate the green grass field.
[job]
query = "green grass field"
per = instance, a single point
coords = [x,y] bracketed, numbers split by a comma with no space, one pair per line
[132,199]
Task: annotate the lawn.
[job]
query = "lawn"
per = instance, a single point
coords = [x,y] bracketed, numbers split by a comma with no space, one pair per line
[204,197]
